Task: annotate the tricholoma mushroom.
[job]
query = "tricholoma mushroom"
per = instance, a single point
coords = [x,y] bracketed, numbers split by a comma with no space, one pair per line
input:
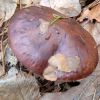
[58,51]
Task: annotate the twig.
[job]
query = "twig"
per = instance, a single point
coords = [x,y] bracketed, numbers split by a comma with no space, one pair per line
[3,60]
[3,33]
[20,5]
[92,4]
[4,30]
[94,94]
[3,46]
[56,18]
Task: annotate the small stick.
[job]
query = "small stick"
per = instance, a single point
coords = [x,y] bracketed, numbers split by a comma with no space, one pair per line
[56,18]
[94,94]
[3,60]
[20,5]
[92,4]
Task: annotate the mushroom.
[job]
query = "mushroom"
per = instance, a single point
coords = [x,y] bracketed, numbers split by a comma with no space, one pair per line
[61,51]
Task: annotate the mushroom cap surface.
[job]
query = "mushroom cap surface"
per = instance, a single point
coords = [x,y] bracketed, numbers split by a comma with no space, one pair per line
[61,51]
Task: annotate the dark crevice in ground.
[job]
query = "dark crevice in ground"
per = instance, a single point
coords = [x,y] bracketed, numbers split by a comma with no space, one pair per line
[48,86]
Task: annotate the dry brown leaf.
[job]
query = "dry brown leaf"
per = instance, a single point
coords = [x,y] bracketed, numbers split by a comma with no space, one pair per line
[7,9]
[18,86]
[70,8]
[93,13]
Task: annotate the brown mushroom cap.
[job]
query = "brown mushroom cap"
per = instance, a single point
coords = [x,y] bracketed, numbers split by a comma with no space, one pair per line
[59,51]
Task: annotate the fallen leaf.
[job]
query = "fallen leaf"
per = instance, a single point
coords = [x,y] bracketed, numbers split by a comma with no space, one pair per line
[94,30]
[96,33]
[7,9]
[93,13]
[18,86]
[87,26]
[70,8]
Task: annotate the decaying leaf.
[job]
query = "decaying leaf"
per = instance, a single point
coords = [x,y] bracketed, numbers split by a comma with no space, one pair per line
[96,33]
[18,86]
[7,9]
[94,30]
[93,13]
[70,8]
[87,26]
